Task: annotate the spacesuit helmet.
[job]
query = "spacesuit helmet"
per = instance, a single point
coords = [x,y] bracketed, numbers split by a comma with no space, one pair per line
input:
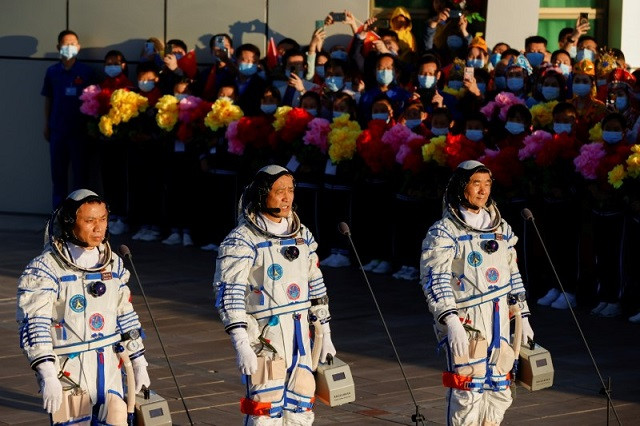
[454,194]
[67,213]
[254,198]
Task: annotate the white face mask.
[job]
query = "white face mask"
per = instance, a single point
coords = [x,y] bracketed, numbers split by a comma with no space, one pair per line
[69,51]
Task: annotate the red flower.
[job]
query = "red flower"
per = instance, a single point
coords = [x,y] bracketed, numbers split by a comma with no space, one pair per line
[255,131]
[104,99]
[504,165]
[413,160]
[459,148]
[616,154]
[295,126]
[378,156]
[561,147]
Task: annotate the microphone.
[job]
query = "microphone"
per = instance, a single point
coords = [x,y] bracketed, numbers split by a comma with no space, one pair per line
[126,253]
[344,230]
[527,215]
[271,210]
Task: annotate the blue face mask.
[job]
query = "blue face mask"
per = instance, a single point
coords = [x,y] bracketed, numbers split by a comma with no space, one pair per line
[573,51]
[334,83]
[340,55]
[413,123]
[312,111]
[384,77]
[337,114]
[454,42]
[566,69]
[561,128]
[474,134]
[268,108]
[180,96]
[320,71]
[581,89]
[500,82]
[585,54]
[515,83]
[611,137]
[621,103]
[149,48]
[439,131]
[601,82]
[495,58]
[475,63]
[380,116]
[112,70]
[535,58]
[482,87]
[69,51]
[514,128]
[146,85]
[550,93]
[178,56]
[426,81]
[247,68]
[455,84]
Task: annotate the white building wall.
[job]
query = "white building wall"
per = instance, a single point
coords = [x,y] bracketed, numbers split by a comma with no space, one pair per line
[511,21]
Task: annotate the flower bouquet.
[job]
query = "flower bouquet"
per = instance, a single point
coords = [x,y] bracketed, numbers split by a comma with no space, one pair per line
[125,105]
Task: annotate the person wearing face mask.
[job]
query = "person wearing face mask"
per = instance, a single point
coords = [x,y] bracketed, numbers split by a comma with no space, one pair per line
[477,54]
[535,48]
[561,220]
[551,86]
[516,127]
[620,84]
[607,208]
[221,47]
[386,77]
[496,53]
[587,48]
[561,59]
[605,65]
[295,85]
[178,64]
[428,75]
[590,110]
[250,85]
[115,70]
[499,78]
[441,121]
[65,127]
[517,77]
[568,37]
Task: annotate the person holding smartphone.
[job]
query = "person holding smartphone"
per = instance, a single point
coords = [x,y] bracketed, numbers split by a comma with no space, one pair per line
[221,47]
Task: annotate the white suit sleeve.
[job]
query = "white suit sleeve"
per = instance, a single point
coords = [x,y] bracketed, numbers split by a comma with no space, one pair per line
[439,248]
[317,289]
[38,289]
[127,319]
[236,257]
[517,285]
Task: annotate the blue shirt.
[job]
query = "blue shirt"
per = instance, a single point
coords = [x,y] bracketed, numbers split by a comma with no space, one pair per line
[64,87]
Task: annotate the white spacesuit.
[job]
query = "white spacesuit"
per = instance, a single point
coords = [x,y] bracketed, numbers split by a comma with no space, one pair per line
[268,288]
[73,311]
[469,276]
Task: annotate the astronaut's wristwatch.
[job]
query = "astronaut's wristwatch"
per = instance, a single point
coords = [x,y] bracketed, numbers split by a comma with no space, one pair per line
[512,299]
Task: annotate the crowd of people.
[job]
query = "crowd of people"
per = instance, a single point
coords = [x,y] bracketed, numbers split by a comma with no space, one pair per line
[371,131]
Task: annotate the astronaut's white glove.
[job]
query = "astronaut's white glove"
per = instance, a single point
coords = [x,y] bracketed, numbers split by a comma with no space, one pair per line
[527,331]
[50,386]
[246,358]
[327,344]
[140,374]
[457,335]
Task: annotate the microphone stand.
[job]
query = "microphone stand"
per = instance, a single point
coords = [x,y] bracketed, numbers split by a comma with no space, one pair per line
[417,418]
[125,252]
[606,389]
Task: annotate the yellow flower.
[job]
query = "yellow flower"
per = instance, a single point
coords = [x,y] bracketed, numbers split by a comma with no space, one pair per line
[616,175]
[106,126]
[542,113]
[595,133]
[633,162]
[342,138]
[434,150]
[280,117]
[167,115]
[222,113]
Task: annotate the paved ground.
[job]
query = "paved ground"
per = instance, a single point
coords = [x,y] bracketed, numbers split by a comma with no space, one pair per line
[177,283]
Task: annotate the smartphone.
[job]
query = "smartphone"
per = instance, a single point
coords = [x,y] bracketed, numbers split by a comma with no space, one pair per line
[468,73]
[168,49]
[319,24]
[382,23]
[338,17]
[455,14]
[584,18]
[219,43]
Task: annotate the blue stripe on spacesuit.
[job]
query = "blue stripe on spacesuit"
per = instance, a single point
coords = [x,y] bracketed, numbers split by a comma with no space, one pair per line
[495,339]
[29,271]
[229,242]
[298,334]
[230,256]
[75,421]
[68,278]
[93,276]
[128,321]
[100,386]
[302,302]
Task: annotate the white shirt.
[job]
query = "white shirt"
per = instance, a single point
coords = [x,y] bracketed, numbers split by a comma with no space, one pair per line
[84,258]
[276,228]
[480,220]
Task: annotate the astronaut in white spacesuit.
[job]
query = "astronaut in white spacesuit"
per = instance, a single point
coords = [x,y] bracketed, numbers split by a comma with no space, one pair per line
[75,314]
[268,288]
[470,277]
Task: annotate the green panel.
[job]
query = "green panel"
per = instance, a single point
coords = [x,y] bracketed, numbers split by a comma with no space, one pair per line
[550,28]
[568,3]
[409,4]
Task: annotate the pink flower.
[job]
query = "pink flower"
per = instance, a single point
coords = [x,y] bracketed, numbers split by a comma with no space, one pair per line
[89,98]
[236,146]
[317,132]
[503,101]
[588,160]
[186,107]
[397,136]
[489,109]
[402,154]
[533,144]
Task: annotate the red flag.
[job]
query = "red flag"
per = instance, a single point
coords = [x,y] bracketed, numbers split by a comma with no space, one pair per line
[188,64]
[272,54]
[367,44]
